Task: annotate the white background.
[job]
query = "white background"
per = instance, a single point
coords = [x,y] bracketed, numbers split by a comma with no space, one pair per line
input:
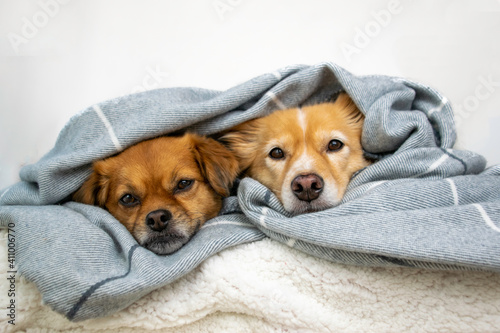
[59,57]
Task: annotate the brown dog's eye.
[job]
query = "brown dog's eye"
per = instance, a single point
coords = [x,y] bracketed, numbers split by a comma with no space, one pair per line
[276,153]
[129,200]
[184,184]
[335,145]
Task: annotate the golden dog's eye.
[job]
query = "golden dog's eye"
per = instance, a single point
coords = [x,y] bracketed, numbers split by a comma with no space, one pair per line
[335,145]
[276,153]
[184,184]
[129,200]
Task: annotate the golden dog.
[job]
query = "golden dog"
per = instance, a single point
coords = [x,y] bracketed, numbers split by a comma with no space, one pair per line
[305,156]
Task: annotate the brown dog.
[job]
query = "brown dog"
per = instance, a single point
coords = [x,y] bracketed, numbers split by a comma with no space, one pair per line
[305,156]
[162,190]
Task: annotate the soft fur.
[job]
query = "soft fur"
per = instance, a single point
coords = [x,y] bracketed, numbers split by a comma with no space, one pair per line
[162,190]
[306,156]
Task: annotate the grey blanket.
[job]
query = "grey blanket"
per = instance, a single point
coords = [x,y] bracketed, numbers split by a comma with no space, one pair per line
[422,204]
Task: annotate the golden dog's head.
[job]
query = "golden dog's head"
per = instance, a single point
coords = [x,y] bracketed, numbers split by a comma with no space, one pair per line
[305,156]
[162,190]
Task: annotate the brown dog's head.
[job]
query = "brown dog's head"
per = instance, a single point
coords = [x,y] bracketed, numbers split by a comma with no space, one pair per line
[305,156]
[162,190]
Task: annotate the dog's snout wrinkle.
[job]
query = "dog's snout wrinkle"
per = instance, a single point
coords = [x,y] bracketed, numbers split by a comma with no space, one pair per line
[158,220]
[307,187]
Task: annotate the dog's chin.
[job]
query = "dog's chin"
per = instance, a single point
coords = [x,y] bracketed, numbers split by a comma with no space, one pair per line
[165,244]
[303,207]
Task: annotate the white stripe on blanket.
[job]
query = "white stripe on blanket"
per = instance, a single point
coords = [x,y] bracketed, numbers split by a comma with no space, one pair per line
[276,100]
[453,191]
[106,123]
[486,218]
[444,100]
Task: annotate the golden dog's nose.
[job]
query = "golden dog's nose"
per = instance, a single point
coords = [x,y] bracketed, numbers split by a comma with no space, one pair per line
[158,220]
[307,187]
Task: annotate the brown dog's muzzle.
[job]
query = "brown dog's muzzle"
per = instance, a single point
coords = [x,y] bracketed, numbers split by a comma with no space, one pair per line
[158,220]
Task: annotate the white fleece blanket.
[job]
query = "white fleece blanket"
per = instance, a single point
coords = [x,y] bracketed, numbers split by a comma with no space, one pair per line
[266,286]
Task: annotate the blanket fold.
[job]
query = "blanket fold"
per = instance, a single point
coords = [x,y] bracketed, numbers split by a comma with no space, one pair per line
[422,204]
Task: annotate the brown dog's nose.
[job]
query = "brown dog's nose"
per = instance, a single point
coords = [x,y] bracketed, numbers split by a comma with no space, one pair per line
[158,220]
[307,187]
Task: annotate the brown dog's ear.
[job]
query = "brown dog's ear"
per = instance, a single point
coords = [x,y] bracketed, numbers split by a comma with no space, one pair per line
[95,189]
[242,140]
[216,162]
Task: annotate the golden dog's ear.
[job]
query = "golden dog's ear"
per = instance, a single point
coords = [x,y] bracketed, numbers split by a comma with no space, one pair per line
[95,189]
[242,140]
[345,102]
[217,163]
